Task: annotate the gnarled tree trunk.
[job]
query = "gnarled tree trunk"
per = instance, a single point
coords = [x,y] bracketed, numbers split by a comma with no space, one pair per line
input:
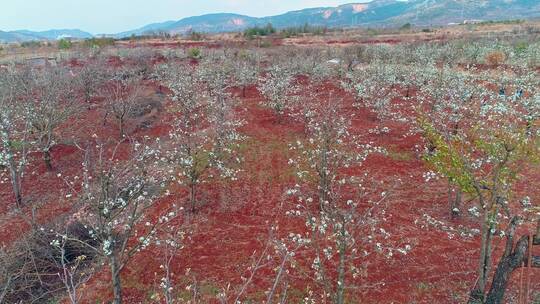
[506,266]
[513,258]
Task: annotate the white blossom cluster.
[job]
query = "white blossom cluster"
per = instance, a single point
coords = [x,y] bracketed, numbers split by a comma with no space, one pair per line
[279,88]
[430,175]
[379,130]
[428,221]
[376,86]
[204,141]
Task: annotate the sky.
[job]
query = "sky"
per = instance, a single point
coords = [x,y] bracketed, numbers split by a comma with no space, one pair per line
[113,16]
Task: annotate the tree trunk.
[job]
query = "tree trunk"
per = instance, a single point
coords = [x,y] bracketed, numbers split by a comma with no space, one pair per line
[512,259]
[115,277]
[121,126]
[454,201]
[47,159]
[16,184]
[489,252]
[537,236]
[507,264]
[280,114]
[477,294]
[192,193]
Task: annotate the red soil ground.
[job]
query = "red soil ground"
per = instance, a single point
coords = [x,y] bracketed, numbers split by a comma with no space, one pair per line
[234,222]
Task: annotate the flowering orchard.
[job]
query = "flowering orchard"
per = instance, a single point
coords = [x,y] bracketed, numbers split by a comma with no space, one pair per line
[384,173]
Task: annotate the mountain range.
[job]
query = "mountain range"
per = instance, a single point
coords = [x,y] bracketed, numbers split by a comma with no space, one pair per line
[377,13]
[24,35]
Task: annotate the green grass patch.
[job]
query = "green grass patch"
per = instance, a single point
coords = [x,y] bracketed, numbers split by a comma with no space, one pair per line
[398,155]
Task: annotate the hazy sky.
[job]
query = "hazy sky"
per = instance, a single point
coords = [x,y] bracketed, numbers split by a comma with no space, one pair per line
[112,16]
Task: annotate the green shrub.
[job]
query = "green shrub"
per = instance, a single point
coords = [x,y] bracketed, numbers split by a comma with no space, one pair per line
[521,47]
[194,53]
[196,36]
[511,21]
[306,29]
[31,44]
[64,44]
[252,32]
[98,42]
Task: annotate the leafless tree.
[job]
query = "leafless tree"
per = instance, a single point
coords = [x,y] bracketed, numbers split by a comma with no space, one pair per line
[141,60]
[15,128]
[73,269]
[53,102]
[277,254]
[91,78]
[119,183]
[205,135]
[123,93]
[5,276]
[247,72]
[31,268]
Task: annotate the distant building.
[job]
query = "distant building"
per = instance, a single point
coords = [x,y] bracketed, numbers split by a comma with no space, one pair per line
[472,21]
[64,36]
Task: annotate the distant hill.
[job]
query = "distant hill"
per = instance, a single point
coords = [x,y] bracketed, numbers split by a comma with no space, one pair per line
[377,13]
[14,37]
[441,12]
[24,35]
[161,26]
[210,23]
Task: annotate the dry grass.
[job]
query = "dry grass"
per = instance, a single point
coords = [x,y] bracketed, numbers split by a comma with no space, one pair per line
[495,58]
